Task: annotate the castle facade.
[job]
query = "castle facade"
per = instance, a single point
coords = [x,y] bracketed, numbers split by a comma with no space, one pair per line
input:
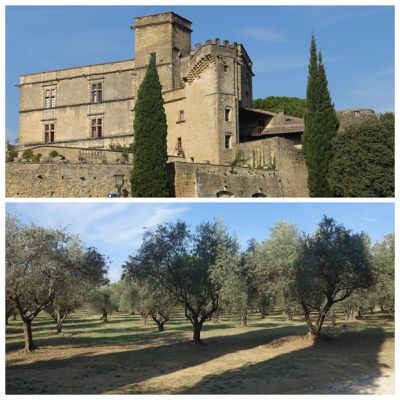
[207,93]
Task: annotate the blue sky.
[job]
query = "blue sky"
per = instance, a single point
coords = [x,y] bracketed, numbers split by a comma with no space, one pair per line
[116,229]
[357,44]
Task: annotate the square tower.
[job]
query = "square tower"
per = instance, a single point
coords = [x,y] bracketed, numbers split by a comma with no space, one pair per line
[167,38]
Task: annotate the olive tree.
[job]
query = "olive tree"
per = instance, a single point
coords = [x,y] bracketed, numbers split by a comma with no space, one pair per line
[38,260]
[102,300]
[238,295]
[332,264]
[383,267]
[74,289]
[273,264]
[183,262]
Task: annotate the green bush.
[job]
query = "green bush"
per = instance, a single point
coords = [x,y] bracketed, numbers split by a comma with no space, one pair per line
[363,160]
[53,154]
[27,154]
[13,154]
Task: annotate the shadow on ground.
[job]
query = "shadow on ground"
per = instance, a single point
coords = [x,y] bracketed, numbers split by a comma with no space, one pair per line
[352,354]
[328,366]
[113,370]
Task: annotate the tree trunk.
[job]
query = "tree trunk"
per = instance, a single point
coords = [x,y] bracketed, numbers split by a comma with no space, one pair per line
[104,316]
[196,332]
[144,318]
[7,316]
[160,326]
[312,331]
[244,319]
[29,346]
[333,318]
[59,327]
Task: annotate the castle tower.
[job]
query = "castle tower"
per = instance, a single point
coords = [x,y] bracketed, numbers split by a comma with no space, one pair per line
[167,38]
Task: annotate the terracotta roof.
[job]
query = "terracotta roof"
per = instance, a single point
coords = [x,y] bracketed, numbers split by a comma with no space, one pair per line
[282,129]
[256,110]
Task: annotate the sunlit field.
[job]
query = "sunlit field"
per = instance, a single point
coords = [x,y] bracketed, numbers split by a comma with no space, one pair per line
[268,356]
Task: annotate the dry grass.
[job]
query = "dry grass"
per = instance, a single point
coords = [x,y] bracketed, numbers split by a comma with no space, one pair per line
[268,356]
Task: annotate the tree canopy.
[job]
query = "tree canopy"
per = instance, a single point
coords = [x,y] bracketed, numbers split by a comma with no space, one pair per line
[362,164]
[320,126]
[332,264]
[41,265]
[293,106]
[187,264]
[149,173]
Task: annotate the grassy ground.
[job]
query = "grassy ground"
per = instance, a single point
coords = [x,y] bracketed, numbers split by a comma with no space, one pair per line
[268,356]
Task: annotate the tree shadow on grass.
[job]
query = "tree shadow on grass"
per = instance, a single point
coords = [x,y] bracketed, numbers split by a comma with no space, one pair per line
[348,364]
[100,373]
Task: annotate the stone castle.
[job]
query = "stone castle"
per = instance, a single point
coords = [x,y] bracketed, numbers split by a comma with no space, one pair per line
[207,91]
[208,97]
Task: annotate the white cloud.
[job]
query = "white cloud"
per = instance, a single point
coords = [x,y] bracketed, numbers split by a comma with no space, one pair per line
[265,34]
[101,223]
[369,219]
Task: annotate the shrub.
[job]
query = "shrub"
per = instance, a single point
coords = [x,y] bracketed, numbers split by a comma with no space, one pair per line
[125,155]
[27,154]
[13,154]
[53,154]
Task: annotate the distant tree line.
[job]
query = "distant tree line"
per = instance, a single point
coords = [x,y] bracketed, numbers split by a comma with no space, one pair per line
[293,106]
[202,272]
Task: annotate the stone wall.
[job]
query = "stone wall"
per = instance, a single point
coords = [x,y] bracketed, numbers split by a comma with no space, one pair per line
[63,180]
[288,160]
[287,179]
[354,116]
[202,180]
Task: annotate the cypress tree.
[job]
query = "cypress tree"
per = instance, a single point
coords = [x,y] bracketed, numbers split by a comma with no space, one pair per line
[320,126]
[149,174]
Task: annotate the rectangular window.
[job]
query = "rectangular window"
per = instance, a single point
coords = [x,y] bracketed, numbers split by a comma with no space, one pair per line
[181,116]
[50,98]
[228,140]
[225,68]
[96,128]
[97,92]
[49,133]
[228,114]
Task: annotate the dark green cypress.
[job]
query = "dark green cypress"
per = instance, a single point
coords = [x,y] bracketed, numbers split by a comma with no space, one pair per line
[149,174]
[320,126]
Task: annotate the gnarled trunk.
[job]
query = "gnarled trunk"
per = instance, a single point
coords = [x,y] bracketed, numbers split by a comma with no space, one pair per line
[160,321]
[314,330]
[160,325]
[196,332]
[59,327]
[29,346]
